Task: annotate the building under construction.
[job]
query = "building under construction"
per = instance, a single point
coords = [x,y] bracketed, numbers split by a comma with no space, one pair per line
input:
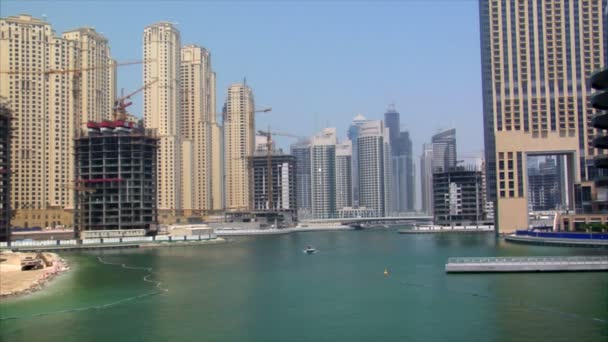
[116,177]
[277,199]
[5,140]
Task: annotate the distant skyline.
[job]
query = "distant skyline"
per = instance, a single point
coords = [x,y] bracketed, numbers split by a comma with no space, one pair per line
[316,64]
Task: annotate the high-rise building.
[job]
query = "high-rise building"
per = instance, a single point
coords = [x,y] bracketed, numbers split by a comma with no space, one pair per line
[323,174]
[444,150]
[344,186]
[426,178]
[239,144]
[197,118]
[301,151]
[217,152]
[95,88]
[458,197]
[402,175]
[374,167]
[353,134]
[116,166]
[546,183]
[5,173]
[43,110]
[392,124]
[536,58]
[162,45]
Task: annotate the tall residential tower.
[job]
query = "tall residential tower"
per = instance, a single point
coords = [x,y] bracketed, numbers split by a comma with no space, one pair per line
[536,58]
[239,144]
[162,110]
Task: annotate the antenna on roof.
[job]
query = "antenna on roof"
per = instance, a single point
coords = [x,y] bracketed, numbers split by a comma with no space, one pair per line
[244,80]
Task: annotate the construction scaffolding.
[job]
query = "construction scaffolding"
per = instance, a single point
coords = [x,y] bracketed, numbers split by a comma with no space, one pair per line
[116,177]
[5,140]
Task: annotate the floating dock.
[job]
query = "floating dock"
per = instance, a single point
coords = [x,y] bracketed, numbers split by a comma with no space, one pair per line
[527,264]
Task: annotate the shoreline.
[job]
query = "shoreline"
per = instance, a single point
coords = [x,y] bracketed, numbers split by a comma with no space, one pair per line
[30,282]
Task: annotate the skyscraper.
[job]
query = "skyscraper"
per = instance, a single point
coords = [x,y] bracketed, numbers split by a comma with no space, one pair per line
[43,107]
[353,134]
[444,150]
[239,143]
[374,167]
[426,178]
[301,151]
[196,124]
[344,186]
[402,165]
[95,89]
[162,45]
[217,152]
[323,174]
[536,58]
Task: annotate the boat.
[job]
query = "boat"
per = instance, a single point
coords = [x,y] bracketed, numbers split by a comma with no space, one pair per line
[310,250]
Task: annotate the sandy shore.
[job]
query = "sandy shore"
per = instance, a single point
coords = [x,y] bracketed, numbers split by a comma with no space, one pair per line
[14,281]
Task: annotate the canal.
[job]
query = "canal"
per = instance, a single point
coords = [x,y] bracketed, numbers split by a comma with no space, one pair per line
[266,289]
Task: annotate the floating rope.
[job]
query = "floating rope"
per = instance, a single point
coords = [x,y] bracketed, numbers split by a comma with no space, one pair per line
[159,289]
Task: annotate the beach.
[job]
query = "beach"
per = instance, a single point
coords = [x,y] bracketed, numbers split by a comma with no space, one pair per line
[15,281]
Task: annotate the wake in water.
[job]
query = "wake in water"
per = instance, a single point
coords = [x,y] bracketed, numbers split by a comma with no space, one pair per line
[510,301]
[158,285]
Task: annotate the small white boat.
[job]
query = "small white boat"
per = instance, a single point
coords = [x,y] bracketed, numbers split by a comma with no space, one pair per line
[310,250]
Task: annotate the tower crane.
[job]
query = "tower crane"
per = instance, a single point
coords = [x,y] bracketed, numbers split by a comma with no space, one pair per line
[77,71]
[268,134]
[121,104]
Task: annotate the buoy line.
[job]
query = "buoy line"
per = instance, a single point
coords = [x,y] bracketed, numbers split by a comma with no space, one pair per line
[158,285]
[510,301]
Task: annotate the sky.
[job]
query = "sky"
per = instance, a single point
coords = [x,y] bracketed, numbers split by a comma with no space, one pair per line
[317,64]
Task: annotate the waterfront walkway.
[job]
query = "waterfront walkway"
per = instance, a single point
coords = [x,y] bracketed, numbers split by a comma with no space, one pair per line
[527,264]
[447,229]
[571,240]
[274,231]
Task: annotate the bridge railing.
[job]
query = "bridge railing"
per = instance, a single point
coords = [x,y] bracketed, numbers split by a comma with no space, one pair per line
[528,260]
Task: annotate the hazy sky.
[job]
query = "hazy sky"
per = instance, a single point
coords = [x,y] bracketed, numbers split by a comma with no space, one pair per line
[315,63]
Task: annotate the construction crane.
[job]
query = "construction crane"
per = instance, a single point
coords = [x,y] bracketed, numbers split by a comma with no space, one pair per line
[76,71]
[121,104]
[268,134]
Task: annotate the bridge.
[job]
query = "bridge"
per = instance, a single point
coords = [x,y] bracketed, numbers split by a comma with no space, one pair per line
[422,219]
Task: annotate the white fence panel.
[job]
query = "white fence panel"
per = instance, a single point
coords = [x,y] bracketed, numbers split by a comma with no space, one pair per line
[162,238]
[90,241]
[111,240]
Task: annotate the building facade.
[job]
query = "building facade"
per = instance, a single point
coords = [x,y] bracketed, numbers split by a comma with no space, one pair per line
[40,90]
[116,177]
[301,151]
[444,150]
[5,172]
[197,118]
[162,45]
[374,168]
[239,144]
[353,134]
[458,197]
[426,178]
[344,179]
[536,58]
[323,174]
[95,88]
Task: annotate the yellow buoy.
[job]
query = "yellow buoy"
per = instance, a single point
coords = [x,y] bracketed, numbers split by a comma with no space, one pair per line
[386,272]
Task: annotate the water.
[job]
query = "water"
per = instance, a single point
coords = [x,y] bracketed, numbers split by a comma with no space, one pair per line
[266,289]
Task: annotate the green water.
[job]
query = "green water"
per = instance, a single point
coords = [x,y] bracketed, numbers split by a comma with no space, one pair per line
[266,289]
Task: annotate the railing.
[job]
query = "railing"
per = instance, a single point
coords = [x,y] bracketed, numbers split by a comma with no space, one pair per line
[566,260]
[113,240]
[563,235]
